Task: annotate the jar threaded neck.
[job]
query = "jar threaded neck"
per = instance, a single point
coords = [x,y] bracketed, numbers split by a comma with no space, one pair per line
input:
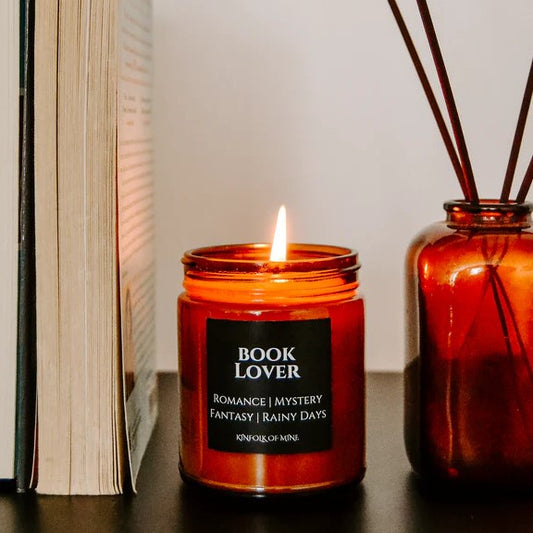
[488,214]
[242,273]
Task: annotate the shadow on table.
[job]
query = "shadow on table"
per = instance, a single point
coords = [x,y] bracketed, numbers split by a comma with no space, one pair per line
[337,511]
[78,514]
[445,508]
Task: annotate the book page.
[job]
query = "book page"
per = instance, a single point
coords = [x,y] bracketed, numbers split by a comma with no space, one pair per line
[136,224]
[9,136]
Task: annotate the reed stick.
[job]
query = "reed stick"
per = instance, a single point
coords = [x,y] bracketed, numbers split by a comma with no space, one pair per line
[526,183]
[472,195]
[419,67]
[517,140]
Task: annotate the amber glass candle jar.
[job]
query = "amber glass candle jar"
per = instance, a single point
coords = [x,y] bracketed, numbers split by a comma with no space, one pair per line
[469,373]
[271,369]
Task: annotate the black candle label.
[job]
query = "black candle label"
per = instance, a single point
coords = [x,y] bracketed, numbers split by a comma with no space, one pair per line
[269,386]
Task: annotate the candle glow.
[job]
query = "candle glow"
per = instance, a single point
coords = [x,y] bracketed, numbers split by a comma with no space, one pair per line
[278,251]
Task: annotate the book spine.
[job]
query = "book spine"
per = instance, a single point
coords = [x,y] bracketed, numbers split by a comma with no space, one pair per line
[26,341]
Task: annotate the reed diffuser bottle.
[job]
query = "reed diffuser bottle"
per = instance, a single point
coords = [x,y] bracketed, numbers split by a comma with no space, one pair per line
[469,373]
[469,317]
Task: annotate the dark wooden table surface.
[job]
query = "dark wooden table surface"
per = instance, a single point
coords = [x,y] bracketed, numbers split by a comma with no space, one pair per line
[389,499]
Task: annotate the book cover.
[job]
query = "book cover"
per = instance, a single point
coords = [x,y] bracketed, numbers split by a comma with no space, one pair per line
[9,175]
[136,234]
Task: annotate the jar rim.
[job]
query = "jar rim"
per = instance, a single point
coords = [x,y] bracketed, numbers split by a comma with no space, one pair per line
[254,257]
[488,205]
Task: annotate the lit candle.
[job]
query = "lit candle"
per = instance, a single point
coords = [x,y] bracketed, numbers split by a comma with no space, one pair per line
[271,367]
[278,251]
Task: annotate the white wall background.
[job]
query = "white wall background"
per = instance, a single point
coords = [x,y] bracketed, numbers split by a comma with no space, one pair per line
[315,104]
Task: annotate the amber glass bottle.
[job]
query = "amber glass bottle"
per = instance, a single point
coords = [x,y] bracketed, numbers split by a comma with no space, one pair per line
[469,372]
[271,369]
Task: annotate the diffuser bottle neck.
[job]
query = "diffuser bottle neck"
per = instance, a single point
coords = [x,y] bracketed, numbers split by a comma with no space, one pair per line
[488,214]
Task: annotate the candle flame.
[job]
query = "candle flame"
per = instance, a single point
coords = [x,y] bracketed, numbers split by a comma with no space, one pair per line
[278,251]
